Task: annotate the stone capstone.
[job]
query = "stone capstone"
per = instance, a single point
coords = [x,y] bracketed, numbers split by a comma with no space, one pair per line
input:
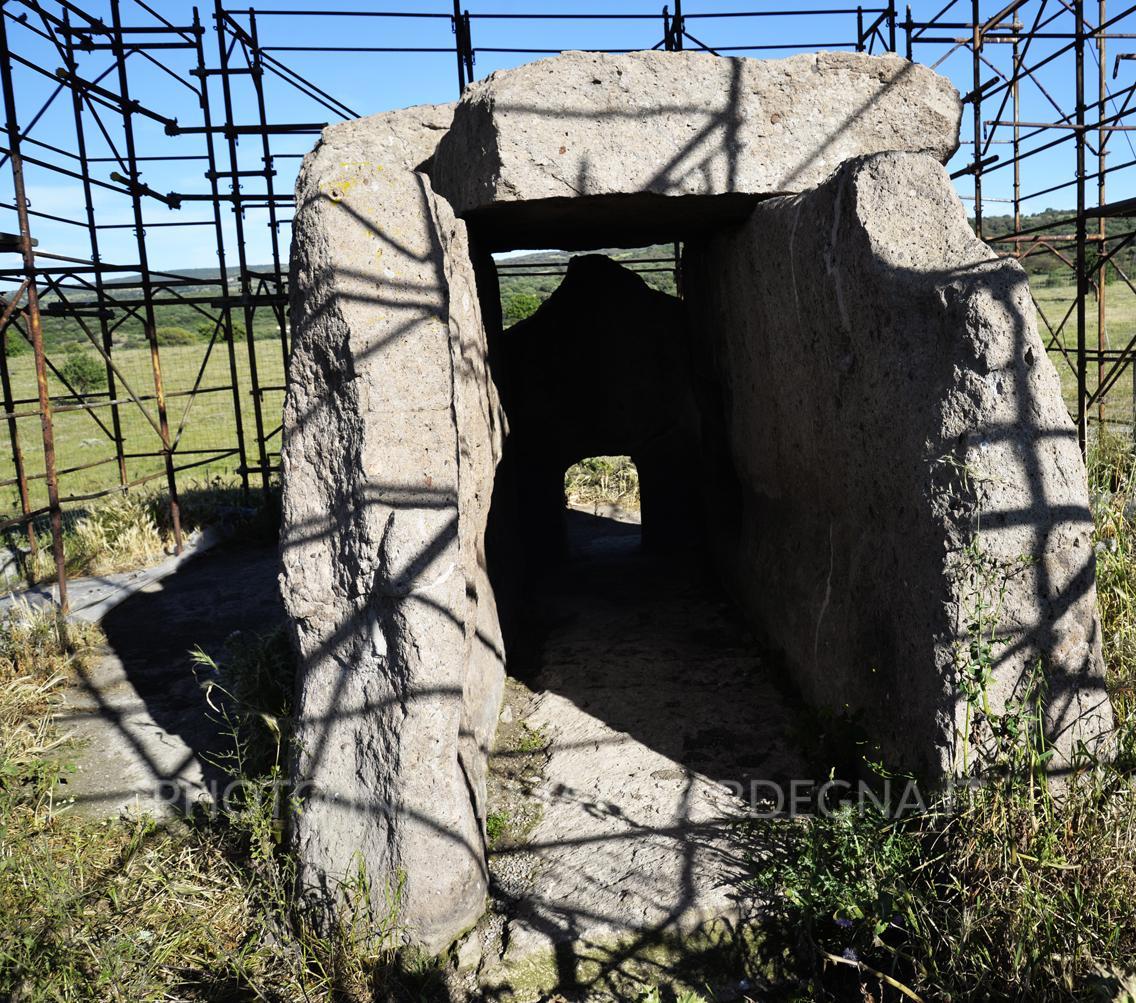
[587,124]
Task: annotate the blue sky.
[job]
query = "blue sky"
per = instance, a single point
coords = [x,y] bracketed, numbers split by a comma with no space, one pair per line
[367,82]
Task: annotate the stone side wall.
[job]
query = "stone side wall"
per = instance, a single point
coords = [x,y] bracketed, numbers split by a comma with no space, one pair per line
[885,396]
[391,435]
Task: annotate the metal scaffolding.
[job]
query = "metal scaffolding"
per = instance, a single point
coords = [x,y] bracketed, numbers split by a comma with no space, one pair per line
[135,93]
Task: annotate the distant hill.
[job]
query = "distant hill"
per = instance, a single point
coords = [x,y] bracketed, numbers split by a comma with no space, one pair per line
[1050,223]
[1041,264]
[177,323]
[204,275]
[514,283]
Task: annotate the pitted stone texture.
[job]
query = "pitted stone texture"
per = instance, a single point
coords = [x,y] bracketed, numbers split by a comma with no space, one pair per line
[391,436]
[886,398]
[668,123]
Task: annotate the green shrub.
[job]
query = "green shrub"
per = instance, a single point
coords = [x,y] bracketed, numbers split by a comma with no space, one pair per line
[175,336]
[206,327]
[518,306]
[85,372]
[15,344]
[1008,892]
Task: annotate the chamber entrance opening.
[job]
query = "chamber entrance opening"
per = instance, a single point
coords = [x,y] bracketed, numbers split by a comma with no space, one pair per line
[601,368]
[654,705]
[596,537]
[603,486]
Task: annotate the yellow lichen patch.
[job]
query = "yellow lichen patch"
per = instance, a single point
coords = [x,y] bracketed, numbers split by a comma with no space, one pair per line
[336,188]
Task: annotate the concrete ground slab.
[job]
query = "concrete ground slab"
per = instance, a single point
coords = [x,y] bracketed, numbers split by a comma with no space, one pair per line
[650,694]
[145,732]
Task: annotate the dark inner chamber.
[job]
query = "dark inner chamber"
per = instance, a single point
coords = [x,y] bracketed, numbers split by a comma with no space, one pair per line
[588,606]
[606,366]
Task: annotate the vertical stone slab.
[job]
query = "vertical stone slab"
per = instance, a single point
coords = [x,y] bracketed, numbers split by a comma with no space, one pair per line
[886,400]
[391,436]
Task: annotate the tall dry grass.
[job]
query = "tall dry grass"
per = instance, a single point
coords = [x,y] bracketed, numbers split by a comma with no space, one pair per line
[198,908]
[1012,887]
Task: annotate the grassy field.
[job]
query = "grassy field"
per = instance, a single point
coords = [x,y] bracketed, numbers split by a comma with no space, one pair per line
[206,422]
[1055,300]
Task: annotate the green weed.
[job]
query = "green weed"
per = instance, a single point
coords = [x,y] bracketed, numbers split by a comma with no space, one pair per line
[496,825]
[1005,888]
[202,908]
[530,740]
[610,480]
